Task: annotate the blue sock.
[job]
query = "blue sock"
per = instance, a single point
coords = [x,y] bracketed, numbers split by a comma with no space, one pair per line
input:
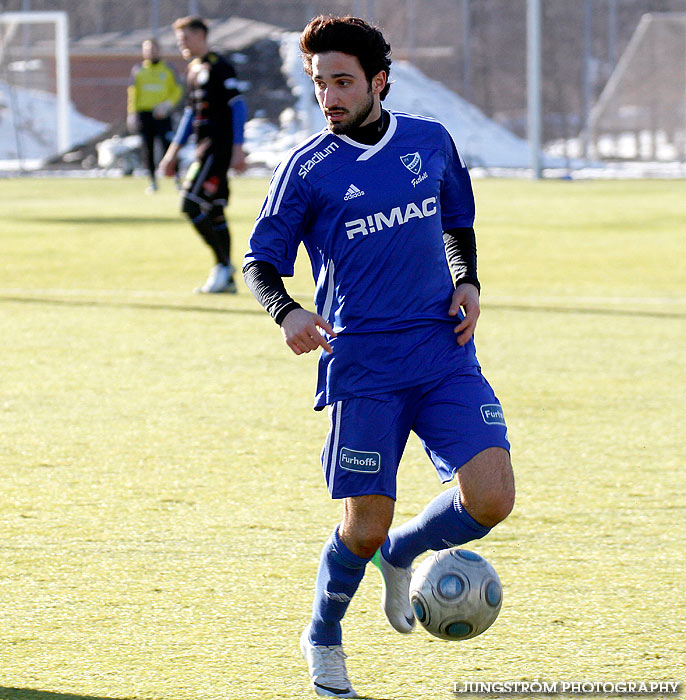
[443,523]
[339,575]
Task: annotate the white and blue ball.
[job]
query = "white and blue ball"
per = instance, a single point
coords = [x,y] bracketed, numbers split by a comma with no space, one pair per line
[456,594]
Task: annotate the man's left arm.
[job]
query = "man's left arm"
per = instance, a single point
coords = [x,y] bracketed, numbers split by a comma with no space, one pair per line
[457,212]
[132,122]
[237,112]
[460,248]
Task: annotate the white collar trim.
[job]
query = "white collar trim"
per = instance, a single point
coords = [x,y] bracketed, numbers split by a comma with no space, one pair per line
[369,151]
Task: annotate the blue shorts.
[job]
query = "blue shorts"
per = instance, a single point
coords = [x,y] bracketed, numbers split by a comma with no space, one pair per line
[455,417]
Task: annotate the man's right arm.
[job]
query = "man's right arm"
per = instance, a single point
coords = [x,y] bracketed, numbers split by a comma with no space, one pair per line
[167,165]
[131,102]
[267,286]
[300,327]
[184,127]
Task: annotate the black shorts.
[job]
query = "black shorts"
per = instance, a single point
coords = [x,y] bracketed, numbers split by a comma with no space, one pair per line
[207,182]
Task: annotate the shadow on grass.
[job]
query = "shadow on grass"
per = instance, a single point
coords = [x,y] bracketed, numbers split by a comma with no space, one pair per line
[147,306]
[628,312]
[31,694]
[99,221]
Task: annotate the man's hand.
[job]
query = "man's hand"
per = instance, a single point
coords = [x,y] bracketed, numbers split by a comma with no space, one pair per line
[300,330]
[465,296]
[162,110]
[167,165]
[238,162]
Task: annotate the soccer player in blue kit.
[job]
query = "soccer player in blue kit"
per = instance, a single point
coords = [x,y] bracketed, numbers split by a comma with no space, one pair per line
[383,204]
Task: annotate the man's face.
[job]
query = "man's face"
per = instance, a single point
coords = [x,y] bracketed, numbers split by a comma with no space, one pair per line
[191,42]
[150,51]
[345,96]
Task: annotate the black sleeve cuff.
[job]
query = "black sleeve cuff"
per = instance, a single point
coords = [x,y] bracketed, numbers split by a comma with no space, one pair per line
[285,310]
[264,281]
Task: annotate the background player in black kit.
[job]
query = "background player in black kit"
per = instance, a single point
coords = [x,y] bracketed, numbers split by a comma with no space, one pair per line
[215,114]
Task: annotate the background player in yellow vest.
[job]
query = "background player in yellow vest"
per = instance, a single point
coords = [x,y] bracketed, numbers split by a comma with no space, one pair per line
[153,93]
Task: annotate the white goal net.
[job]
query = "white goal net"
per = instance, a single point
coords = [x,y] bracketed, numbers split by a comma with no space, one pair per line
[34,85]
[641,113]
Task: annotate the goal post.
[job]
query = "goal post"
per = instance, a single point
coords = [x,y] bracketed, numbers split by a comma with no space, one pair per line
[9,21]
[534,19]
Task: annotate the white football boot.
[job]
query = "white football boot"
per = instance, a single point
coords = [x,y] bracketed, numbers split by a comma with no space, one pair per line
[395,599]
[326,665]
[220,281]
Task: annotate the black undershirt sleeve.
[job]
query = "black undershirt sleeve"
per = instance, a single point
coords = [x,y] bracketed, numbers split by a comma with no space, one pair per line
[460,249]
[264,281]
[267,286]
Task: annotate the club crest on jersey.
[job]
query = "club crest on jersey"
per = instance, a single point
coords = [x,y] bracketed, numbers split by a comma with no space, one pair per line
[396,217]
[413,162]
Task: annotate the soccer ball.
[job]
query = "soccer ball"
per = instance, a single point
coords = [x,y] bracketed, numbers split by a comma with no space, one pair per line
[455,594]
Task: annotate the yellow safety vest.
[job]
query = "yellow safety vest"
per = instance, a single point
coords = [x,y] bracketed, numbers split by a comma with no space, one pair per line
[152,83]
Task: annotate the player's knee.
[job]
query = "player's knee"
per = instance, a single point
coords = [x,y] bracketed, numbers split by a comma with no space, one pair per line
[496,507]
[503,504]
[370,542]
[487,487]
[217,214]
[191,209]
[364,541]
[365,523]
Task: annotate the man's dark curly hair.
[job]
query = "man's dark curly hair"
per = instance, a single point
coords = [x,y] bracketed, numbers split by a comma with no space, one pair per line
[349,35]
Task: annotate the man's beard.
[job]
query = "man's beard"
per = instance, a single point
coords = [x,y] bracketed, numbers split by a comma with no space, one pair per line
[357,119]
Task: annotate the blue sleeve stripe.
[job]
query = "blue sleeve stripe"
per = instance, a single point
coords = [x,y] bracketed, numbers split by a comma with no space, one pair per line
[239,110]
[183,130]
[283,175]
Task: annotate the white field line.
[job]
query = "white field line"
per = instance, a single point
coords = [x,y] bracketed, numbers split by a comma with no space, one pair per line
[615,300]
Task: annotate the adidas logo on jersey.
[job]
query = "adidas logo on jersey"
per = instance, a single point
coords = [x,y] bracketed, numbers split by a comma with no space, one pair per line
[353,192]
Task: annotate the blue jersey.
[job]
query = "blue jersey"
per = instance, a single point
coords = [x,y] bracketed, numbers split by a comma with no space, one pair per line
[372,219]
